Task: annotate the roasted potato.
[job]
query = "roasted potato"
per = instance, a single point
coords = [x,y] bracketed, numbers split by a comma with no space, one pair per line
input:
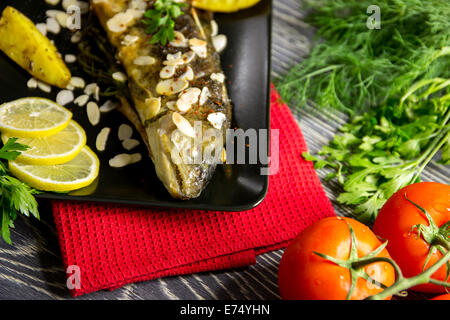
[23,43]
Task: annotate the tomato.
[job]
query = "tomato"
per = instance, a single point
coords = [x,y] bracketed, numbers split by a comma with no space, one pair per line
[303,275]
[395,223]
[442,297]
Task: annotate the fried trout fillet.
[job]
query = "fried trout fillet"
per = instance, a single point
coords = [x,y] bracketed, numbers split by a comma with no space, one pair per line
[179,103]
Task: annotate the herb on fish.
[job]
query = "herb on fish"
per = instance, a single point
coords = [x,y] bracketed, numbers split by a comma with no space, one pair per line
[388,147]
[15,196]
[353,68]
[160,20]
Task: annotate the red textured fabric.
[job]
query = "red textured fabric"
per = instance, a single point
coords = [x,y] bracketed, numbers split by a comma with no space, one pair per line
[114,244]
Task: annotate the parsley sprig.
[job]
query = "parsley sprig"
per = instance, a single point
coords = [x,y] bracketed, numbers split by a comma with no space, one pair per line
[387,148]
[160,20]
[16,197]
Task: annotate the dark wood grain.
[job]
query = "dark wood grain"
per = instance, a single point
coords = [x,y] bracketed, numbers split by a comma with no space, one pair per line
[32,267]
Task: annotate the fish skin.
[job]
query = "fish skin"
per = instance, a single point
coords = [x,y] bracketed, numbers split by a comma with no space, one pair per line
[182,179]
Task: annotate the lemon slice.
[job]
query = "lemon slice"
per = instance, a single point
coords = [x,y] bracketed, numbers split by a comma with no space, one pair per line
[75,174]
[55,149]
[33,117]
[224,5]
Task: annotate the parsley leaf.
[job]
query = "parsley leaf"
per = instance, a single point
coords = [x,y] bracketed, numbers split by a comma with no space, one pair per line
[160,22]
[15,196]
[385,149]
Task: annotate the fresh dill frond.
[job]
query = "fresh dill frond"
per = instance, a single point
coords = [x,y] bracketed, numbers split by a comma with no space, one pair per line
[352,67]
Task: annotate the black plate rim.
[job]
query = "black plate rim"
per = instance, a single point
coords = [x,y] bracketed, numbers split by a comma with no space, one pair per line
[179,204]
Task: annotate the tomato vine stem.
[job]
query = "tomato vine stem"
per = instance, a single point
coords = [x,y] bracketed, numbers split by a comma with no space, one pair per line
[403,283]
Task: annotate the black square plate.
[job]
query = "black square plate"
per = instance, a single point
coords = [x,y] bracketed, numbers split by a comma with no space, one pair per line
[246,63]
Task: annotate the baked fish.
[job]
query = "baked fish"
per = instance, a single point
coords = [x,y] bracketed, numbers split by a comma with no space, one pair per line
[179,99]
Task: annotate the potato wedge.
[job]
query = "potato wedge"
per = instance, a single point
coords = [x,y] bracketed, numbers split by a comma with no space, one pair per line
[23,43]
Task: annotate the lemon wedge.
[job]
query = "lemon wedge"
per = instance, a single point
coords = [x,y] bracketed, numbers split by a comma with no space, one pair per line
[224,5]
[33,117]
[75,174]
[55,149]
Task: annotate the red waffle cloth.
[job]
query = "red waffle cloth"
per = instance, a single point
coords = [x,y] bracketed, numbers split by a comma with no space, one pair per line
[114,245]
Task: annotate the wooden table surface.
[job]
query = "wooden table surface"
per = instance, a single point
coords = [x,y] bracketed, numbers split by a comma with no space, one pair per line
[32,268]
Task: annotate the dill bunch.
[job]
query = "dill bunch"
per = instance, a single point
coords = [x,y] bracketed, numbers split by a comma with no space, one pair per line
[352,67]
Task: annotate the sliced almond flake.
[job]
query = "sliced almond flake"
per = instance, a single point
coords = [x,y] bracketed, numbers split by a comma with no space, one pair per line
[64,97]
[188,75]
[70,87]
[167,72]
[204,96]
[52,13]
[135,157]
[52,2]
[62,18]
[183,125]
[151,109]
[53,25]
[125,132]
[93,113]
[219,77]
[144,61]
[174,56]
[128,40]
[214,28]
[90,88]
[217,119]
[120,22]
[102,139]
[179,41]
[130,144]
[97,93]
[81,100]
[77,82]
[42,27]
[70,58]
[201,51]
[188,57]
[120,161]
[108,106]
[76,37]
[179,59]
[220,42]
[170,87]
[32,83]
[195,42]
[119,76]
[188,98]
[43,86]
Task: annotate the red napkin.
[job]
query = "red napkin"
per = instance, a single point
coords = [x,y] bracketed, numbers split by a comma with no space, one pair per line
[113,245]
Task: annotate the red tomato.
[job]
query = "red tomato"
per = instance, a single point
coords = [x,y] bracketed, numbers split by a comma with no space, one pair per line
[303,275]
[395,223]
[442,297]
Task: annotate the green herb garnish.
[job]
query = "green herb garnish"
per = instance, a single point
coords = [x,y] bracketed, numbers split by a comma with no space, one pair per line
[15,196]
[160,20]
[388,147]
[353,67]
